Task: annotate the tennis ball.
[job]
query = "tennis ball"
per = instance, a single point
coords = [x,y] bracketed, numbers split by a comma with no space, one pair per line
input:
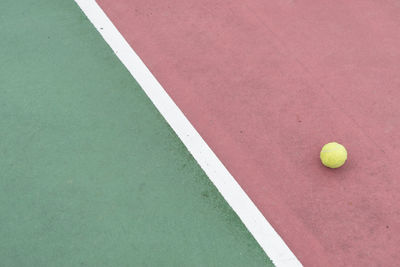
[333,155]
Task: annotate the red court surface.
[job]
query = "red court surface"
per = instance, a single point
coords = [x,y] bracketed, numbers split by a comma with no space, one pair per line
[267,83]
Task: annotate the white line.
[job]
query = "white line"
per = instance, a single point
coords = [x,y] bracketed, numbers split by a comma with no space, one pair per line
[260,228]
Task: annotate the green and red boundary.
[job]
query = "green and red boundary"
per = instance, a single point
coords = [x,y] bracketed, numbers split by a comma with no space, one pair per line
[266,84]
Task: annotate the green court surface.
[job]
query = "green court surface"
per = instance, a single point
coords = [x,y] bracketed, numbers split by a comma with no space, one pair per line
[90,173]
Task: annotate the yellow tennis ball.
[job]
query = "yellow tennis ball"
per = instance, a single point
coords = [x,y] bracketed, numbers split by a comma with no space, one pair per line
[333,155]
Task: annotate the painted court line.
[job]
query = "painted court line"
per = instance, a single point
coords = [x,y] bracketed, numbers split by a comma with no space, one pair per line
[260,228]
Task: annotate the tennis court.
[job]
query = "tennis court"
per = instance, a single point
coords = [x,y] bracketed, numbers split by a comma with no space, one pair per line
[187,133]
